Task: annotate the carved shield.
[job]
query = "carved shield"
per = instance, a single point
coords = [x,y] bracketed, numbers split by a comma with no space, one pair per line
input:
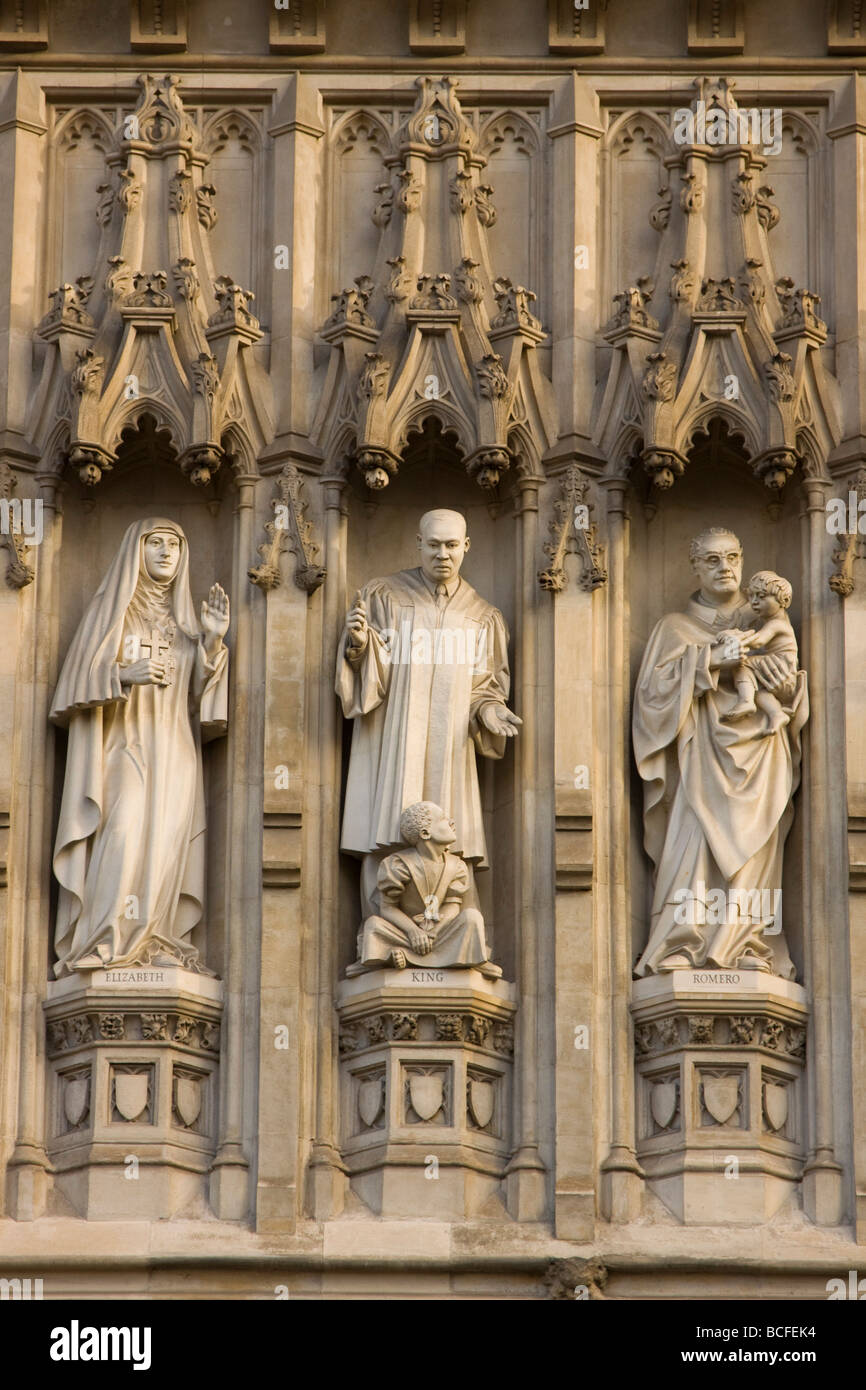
[75,1099]
[370,1099]
[481,1097]
[426,1095]
[775,1105]
[663,1102]
[130,1093]
[721,1096]
[187,1098]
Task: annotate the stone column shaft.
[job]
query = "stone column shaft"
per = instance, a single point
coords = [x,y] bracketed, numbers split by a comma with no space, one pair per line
[621,1172]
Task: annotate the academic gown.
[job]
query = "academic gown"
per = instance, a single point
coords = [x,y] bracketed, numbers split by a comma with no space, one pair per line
[416,725]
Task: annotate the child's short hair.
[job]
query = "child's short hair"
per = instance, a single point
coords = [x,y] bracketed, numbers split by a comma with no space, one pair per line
[765,581]
[417,817]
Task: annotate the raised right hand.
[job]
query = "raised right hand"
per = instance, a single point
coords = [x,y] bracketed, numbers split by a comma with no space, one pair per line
[143,673]
[357,624]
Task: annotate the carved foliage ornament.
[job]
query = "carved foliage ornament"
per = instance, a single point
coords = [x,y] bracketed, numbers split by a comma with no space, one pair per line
[13,514]
[289,525]
[572,529]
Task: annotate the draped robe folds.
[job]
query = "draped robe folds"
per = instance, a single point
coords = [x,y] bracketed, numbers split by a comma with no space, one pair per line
[405,880]
[130,848]
[416,710]
[717,798]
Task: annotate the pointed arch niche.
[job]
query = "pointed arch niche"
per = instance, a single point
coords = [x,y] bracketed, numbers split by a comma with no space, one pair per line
[717,489]
[515,172]
[358,145]
[381,540]
[146,481]
[636,199]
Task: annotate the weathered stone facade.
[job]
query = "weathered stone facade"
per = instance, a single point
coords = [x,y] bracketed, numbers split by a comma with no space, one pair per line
[285,280]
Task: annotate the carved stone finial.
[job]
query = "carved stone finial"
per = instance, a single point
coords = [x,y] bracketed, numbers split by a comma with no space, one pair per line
[233,306]
[159,116]
[434,293]
[631,304]
[18,572]
[513,302]
[571,528]
[150,291]
[291,526]
[68,306]
[350,306]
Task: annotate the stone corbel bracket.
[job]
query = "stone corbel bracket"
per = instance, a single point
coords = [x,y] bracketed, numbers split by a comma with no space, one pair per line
[18,573]
[571,529]
[289,526]
[851,545]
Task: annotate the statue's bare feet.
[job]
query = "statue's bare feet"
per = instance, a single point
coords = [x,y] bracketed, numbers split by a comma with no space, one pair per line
[398,960]
[776,722]
[741,708]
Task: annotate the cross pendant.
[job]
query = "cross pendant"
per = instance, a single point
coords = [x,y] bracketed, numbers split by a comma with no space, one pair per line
[157,648]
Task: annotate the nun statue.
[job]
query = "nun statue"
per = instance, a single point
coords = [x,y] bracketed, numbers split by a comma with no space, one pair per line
[142,686]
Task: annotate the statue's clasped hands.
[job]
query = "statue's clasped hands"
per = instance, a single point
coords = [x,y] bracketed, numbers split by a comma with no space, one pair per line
[419,940]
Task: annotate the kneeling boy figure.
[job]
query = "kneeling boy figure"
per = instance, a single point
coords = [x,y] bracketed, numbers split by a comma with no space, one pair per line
[419,894]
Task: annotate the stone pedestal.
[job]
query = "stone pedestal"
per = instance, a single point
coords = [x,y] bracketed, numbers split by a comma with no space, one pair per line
[426,1089]
[132,1091]
[720,1056]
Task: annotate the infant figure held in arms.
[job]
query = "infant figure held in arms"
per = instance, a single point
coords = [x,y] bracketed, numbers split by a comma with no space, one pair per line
[757,687]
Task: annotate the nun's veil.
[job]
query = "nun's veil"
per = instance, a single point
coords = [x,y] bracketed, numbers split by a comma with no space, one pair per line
[89,676]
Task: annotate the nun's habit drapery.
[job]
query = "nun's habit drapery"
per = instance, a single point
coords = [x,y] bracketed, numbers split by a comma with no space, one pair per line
[130,850]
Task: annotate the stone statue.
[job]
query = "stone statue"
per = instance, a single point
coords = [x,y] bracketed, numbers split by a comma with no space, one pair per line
[720,767]
[769,595]
[422,669]
[141,685]
[421,919]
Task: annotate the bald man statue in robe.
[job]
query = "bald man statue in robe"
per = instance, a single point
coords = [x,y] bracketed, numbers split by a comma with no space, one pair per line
[422,669]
